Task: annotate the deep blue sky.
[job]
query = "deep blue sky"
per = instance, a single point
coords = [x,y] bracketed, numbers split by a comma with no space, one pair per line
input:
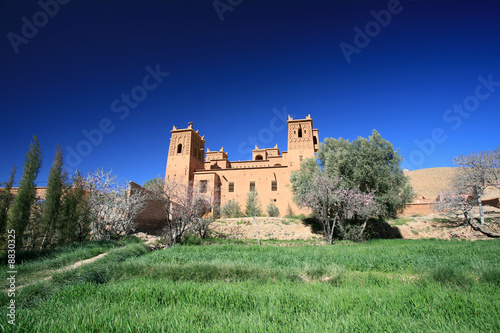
[228,76]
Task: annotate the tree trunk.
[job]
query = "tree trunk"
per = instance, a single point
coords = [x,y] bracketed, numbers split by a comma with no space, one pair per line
[330,236]
[256,233]
[475,226]
[481,212]
[363,229]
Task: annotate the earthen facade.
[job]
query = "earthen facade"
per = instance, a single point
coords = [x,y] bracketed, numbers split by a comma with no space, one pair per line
[268,172]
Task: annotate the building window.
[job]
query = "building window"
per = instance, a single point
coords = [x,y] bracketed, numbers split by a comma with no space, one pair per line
[259,158]
[179,148]
[203,186]
[231,187]
[274,185]
[300,132]
[315,140]
[252,186]
[301,158]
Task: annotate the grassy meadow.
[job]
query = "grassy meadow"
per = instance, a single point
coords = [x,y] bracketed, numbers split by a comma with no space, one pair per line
[237,286]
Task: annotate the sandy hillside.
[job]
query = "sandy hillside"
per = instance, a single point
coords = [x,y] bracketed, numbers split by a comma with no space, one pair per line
[432,181]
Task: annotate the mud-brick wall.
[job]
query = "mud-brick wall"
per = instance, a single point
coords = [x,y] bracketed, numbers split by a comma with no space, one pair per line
[418,209]
[153,218]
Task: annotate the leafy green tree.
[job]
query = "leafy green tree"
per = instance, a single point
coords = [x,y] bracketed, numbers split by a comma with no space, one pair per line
[74,220]
[6,198]
[56,184]
[272,210]
[253,207]
[19,213]
[301,180]
[33,234]
[370,166]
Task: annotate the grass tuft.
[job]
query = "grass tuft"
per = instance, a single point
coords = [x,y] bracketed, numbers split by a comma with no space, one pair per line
[450,275]
[491,275]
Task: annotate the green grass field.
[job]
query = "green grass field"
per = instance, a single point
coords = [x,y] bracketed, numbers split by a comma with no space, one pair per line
[378,286]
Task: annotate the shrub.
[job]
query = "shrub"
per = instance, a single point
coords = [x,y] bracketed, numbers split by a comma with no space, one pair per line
[191,239]
[272,210]
[231,209]
[351,232]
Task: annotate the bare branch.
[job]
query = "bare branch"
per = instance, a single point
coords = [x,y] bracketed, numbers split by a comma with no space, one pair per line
[188,208]
[113,206]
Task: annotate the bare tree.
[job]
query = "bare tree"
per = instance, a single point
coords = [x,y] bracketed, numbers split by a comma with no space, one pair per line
[477,171]
[113,206]
[332,204]
[460,199]
[188,208]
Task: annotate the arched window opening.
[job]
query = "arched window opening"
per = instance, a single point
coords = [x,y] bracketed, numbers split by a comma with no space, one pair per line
[179,148]
[300,132]
[259,158]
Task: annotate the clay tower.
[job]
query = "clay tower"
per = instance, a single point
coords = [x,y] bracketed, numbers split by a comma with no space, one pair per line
[186,154]
[302,141]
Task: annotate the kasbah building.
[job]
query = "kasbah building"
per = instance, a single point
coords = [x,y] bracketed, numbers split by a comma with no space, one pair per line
[268,172]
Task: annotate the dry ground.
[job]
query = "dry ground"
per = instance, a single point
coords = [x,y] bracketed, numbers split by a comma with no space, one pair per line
[267,228]
[430,226]
[444,227]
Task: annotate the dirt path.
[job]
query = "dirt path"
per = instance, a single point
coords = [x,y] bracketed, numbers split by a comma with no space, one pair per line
[67,268]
